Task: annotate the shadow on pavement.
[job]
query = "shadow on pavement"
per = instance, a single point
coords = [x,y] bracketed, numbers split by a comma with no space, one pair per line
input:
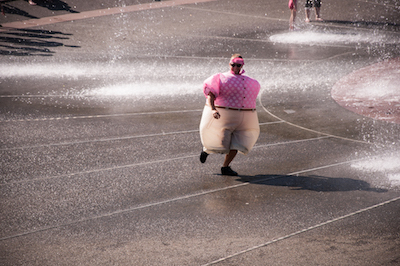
[27,42]
[54,5]
[314,183]
[9,9]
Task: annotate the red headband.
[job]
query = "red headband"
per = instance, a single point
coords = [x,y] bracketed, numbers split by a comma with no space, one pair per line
[237,60]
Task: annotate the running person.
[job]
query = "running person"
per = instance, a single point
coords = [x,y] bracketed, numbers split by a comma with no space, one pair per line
[229,122]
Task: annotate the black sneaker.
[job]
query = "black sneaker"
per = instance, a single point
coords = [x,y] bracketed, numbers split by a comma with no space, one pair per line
[228,171]
[203,156]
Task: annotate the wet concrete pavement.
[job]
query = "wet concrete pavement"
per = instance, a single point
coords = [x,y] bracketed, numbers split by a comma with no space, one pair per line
[99,136]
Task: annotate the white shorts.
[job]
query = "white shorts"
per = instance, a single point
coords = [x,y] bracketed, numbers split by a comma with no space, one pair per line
[234,130]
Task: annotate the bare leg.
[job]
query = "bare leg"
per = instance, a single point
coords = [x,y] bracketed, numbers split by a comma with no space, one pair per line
[317,14]
[229,157]
[292,19]
[307,14]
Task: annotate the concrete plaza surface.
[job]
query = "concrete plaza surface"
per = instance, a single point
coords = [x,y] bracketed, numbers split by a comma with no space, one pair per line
[100,103]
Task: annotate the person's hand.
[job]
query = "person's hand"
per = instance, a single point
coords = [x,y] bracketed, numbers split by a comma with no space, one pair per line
[216,114]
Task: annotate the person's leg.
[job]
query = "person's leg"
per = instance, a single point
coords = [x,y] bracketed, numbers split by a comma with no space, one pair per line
[317,14]
[293,8]
[308,6]
[210,129]
[317,5]
[226,169]
[229,157]
[292,19]
[307,14]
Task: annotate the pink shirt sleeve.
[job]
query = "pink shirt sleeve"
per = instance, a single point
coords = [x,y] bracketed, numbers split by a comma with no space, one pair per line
[212,84]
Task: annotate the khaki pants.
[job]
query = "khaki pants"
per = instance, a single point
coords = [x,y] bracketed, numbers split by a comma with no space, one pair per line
[234,130]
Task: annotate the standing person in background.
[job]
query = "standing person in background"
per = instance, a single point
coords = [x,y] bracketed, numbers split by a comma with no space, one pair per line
[229,122]
[317,6]
[293,9]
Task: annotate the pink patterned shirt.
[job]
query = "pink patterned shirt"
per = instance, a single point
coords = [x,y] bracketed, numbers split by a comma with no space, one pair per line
[230,90]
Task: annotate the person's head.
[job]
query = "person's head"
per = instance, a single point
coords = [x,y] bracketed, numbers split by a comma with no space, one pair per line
[236,63]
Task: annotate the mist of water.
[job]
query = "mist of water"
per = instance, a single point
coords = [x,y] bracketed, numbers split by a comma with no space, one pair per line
[153,77]
[386,165]
[147,79]
[331,37]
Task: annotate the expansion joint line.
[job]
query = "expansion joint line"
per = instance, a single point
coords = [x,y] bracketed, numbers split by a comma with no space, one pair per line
[308,129]
[202,193]
[303,231]
[97,116]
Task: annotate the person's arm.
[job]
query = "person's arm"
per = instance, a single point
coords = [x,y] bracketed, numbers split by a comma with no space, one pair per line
[211,99]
